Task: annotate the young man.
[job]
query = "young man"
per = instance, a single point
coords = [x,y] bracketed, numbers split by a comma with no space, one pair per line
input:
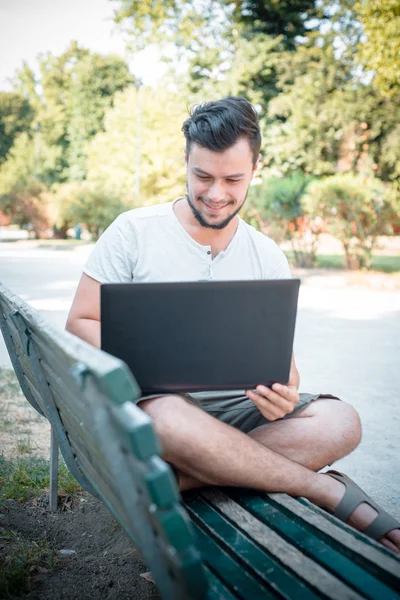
[274,439]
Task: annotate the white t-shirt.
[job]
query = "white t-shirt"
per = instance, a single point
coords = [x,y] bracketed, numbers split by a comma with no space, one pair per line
[150,245]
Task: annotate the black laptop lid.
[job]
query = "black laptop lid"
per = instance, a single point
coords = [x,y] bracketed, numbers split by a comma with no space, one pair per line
[196,336]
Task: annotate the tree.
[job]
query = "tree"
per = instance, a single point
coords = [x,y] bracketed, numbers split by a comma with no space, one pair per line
[19,168]
[16,115]
[95,80]
[380,47]
[113,154]
[290,20]
[70,99]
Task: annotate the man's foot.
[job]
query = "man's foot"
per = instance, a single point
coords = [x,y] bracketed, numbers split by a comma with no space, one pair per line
[350,504]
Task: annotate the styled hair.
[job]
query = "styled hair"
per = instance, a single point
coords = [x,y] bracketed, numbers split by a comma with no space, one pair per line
[220,124]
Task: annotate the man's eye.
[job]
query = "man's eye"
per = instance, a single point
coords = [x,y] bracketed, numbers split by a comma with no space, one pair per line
[233,180]
[203,177]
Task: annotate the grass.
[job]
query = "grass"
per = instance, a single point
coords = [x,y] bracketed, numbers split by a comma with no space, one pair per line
[23,447]
[25,477]
[387,264]
[9,386]
[19,560]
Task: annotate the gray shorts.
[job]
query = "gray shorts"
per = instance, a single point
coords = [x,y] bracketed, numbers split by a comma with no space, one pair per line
[236,409]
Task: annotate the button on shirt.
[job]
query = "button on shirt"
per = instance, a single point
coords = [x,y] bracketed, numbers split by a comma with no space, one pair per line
[149,244]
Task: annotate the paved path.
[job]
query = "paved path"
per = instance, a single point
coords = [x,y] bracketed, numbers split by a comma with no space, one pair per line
[347,343]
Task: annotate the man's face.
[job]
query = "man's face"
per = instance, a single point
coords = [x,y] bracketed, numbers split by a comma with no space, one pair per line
[217,182]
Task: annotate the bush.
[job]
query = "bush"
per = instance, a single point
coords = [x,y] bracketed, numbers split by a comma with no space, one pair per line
[279,203]
[27,205]
[86,203]
[357,210]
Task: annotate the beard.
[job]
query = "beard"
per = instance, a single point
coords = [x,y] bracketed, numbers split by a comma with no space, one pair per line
[201,220]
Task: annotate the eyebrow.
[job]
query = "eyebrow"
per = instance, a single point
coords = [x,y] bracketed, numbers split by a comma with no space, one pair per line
[201,172]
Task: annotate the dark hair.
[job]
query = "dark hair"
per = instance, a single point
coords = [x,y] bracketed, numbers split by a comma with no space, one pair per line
[218,125]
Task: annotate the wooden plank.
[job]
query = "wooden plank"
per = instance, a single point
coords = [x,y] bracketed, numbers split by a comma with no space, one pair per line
[263,508]
[83,437]
[312,574]
[370,554]
[241,546]
[229,571]
[67,395]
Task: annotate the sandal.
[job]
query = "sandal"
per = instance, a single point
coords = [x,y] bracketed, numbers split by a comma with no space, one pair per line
[353,497]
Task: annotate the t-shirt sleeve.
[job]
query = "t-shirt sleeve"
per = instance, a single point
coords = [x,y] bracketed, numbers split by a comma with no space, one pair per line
[114,255]
[279,268]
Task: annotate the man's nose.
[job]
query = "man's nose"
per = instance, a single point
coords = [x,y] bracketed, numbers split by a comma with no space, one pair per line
[216,192]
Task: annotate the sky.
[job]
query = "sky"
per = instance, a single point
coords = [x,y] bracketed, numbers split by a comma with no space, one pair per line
[31,27]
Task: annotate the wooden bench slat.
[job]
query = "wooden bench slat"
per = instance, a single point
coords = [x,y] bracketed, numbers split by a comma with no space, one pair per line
[137,430]
[216,589]
[260,564]
[320,551]
[311,573]
[372,556]
[231,572]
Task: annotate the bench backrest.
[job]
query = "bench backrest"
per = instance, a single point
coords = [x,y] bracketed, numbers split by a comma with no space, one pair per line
[108,443]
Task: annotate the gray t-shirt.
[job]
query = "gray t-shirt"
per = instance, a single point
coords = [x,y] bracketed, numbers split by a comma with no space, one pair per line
[150,245]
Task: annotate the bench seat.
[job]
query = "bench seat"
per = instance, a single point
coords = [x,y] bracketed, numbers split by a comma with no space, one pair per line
[213,543]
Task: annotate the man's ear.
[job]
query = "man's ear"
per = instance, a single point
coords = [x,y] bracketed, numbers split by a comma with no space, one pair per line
[257,165]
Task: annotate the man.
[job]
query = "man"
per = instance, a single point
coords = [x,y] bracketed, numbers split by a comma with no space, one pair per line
[274,439]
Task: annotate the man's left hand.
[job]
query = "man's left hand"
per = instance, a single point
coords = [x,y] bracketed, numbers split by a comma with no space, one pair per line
[276,402]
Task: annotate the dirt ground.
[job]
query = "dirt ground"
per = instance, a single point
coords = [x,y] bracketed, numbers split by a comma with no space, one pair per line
[102,562]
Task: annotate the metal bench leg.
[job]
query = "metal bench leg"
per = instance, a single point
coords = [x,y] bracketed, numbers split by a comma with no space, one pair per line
[53,472]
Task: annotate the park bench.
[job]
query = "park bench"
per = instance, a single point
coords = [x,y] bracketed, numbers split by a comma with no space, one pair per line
[214,543]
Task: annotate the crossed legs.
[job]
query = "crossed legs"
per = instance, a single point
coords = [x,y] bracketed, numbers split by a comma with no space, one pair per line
[282,456]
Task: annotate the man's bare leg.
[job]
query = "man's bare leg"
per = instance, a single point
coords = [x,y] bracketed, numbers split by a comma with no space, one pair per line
[213,453]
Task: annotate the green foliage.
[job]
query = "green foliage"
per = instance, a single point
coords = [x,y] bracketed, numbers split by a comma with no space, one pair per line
[186,24]
[27,204]
[287,19]
[84,202]
[18,170]
[94,82]
[325,120]
[279,203]
[76,89]
[18,562]
[357,210]
[380,48]
[16,115]
[112,155]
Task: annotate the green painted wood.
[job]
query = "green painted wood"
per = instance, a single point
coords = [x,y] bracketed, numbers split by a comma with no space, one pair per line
[311,544]
[161,483]
[233,575]
[119,385]
[137,430]
[173,525]
[216,589]
[246,552]
[370,555]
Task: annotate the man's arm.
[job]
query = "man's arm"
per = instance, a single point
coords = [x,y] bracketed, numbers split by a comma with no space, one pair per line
[84,316]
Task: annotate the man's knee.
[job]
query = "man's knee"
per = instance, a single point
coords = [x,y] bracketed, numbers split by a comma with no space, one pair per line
[341,422]
[162,407]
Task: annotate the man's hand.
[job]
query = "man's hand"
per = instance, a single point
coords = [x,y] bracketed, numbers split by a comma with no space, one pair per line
[278,401]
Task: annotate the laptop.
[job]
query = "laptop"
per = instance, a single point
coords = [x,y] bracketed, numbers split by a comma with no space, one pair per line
[202,335]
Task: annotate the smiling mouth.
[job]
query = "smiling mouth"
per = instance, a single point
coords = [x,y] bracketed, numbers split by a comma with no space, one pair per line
[215,208]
